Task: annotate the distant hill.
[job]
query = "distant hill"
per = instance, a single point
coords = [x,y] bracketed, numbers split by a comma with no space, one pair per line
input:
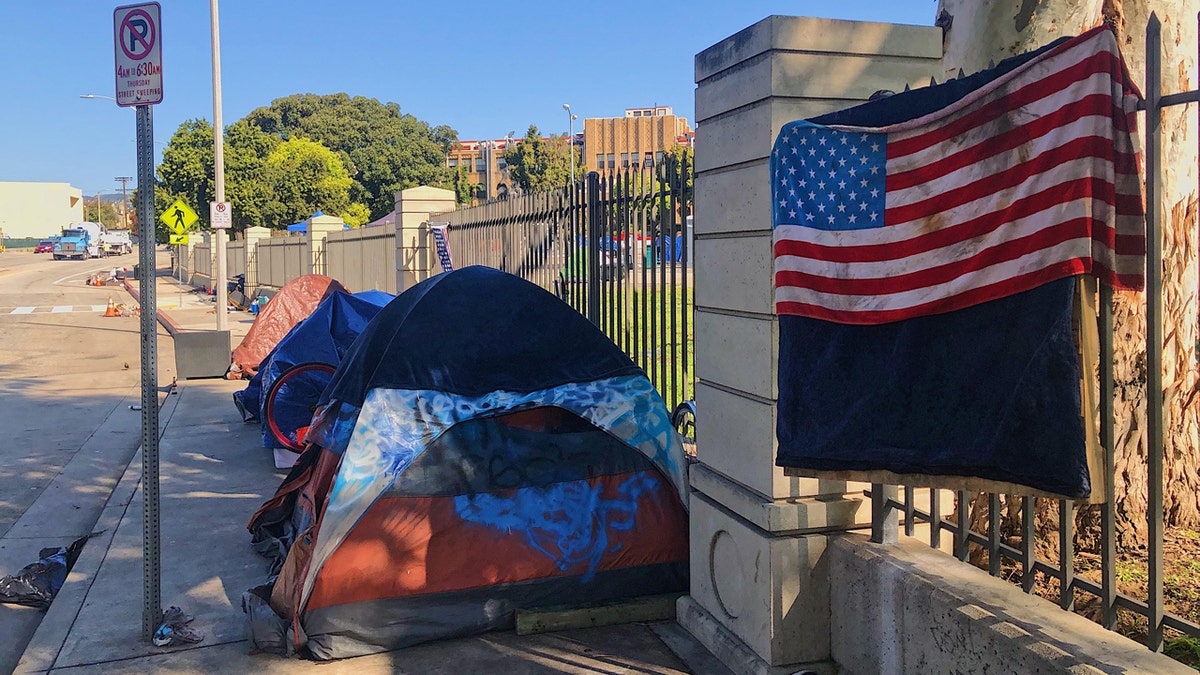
[107,198]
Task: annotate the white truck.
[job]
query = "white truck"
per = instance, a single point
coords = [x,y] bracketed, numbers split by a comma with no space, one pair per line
[116,242]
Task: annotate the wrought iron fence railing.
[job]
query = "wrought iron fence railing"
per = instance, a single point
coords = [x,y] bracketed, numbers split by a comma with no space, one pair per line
[614,246]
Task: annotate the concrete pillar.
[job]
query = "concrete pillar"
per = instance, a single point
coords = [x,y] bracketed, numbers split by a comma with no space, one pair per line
[253,235]
[760,581]
[415,258]
[319,227]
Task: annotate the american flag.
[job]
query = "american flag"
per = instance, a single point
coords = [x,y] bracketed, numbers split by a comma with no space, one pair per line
[1032,177]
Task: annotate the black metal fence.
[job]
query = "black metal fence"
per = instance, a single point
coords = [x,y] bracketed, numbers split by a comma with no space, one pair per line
[887,505]
[616,247]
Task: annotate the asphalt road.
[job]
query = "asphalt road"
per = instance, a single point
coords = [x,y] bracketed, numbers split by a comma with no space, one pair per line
[68,375]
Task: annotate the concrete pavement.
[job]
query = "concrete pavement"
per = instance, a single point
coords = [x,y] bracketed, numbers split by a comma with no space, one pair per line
[215,474]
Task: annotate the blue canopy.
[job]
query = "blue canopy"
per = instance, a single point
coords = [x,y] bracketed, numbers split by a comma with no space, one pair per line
[302,226]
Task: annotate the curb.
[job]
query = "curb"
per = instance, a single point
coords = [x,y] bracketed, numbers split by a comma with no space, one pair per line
[167,322]
[51,634]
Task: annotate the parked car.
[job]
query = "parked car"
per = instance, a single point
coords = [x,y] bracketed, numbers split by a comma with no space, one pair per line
[44,246]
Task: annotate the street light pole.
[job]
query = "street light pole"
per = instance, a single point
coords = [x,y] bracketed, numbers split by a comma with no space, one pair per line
[571,138]
[219,170]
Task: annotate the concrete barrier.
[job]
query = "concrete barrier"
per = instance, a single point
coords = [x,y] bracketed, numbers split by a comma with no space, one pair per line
[906,608]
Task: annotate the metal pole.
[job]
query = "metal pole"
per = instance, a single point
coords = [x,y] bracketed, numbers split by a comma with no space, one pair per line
[571,139]
[885,521]
[151,563]
[1108,520]
[592,247]
[219,169]
[124,199]
[1154,333]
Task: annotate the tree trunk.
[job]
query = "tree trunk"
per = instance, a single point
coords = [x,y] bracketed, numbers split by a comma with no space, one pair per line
[980,31]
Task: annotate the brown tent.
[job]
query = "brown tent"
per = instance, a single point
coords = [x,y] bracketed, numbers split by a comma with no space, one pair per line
[291,305]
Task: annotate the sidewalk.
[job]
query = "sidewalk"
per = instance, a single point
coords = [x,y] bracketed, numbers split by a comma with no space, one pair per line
[214,475]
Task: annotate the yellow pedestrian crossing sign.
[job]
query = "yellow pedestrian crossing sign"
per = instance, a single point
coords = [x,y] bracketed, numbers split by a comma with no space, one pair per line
[178,240]
[179,217]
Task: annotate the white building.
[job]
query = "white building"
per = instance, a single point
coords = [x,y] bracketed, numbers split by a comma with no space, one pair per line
[38,209]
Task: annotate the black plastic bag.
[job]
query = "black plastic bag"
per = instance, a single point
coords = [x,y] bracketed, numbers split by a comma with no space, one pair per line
[37,583]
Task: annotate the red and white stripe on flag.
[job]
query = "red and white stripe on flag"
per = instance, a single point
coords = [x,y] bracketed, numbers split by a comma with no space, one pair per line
[1033,177]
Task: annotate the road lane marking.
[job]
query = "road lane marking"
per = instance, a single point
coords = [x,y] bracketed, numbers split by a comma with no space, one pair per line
[57,309]
[83,275]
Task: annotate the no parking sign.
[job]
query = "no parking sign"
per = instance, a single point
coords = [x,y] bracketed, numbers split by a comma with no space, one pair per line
[137,36]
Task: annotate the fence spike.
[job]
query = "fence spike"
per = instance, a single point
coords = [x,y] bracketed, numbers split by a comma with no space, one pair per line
[960,73]
[991,63]
[907,88]
[933,81]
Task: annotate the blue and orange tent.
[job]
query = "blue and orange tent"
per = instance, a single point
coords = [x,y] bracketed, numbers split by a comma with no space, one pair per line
[481,449]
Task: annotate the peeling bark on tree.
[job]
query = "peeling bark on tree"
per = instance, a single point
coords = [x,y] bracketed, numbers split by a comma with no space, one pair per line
[990,30]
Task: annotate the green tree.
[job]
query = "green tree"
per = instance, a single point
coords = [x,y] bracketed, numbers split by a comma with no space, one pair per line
[304,177]
[464,189]
[382,149]
[536,164]
[356,215]
[186,171]
[108,214]
[246,185]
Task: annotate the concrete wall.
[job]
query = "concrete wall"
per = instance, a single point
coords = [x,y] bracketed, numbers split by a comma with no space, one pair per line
[38,209]
[363,259]
[904,608]
[760,566]
[280,259]
[416,259]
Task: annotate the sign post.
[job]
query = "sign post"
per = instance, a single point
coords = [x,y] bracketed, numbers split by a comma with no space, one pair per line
[137,36]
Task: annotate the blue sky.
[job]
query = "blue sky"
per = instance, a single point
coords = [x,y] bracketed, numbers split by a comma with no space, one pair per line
[484,69]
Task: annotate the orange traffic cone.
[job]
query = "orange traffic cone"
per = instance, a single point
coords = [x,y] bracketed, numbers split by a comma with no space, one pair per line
[111,310]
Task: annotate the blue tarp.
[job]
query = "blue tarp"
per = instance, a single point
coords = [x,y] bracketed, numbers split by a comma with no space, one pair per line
[323,337]
[302,226]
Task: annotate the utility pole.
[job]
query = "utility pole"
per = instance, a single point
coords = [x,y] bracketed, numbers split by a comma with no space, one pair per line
[219,170]
[124,199]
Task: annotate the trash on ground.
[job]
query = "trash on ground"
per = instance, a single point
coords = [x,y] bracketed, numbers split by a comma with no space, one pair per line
[37,583]
[175,630]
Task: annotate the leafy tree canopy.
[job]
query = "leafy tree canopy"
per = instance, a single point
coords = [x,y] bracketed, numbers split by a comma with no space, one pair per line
[536,165]
[304,177]
[383,149]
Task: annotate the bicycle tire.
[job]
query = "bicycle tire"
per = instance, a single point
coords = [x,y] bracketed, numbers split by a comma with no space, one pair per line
[683,418]
[305,392]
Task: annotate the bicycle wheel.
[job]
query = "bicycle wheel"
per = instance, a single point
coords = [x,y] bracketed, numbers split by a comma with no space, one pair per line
[292,399]
[683,418]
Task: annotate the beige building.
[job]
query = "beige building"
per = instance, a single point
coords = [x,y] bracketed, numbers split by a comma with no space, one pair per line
[641,136]
[484,164]
[38,209]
